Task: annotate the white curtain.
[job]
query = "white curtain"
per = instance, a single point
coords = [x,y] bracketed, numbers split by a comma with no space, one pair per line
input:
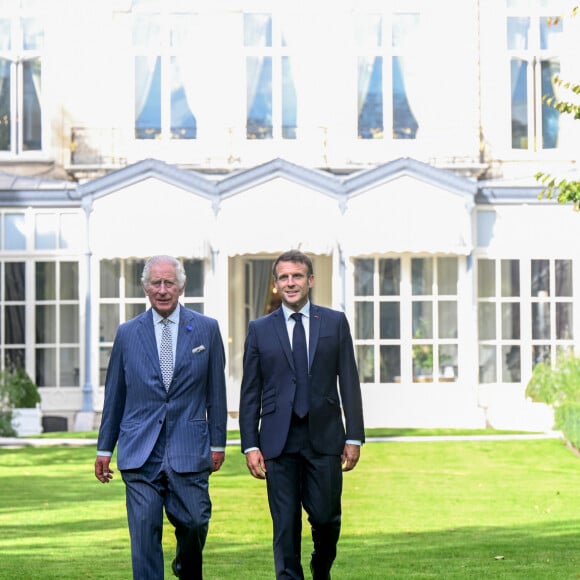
[261,284]
[144,72]
[365,71]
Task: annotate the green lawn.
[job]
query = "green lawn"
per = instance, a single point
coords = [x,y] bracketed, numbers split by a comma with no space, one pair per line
[454,509]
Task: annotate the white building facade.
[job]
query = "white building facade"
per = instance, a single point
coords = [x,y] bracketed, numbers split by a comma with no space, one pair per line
[395,146]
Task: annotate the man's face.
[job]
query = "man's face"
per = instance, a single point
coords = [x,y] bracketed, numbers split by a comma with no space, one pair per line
[162,290]
[293,284]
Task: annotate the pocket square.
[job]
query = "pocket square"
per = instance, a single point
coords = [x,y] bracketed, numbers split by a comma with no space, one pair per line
[197,349]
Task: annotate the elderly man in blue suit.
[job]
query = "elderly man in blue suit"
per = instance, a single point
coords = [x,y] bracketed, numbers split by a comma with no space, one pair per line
[301,418]
[165,410]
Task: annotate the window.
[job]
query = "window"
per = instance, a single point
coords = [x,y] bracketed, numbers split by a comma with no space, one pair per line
[552,306]
[57,317]
[40,307]
[534,40]
[499,324]
[58,231]
[271,101]
[434,319]
[21,44]
[166,77]
[387,65]
[406,319]
[121,297]
[13,314]
[517,300]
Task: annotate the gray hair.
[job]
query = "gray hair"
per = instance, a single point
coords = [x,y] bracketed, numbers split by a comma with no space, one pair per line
[179,269]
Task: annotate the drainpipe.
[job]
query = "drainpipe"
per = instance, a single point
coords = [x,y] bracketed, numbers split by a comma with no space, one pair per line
[84,420]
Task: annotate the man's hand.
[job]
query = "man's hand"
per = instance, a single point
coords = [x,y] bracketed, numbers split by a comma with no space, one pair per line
[350,456]
[217,460]
[102,470]
[256,464]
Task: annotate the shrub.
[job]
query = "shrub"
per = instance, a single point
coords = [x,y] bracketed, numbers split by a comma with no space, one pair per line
[556,386]
[559,387]
[17,391]
[567,419]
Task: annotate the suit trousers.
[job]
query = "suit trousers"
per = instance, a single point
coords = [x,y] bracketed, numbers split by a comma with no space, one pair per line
[185,498]
[301,478]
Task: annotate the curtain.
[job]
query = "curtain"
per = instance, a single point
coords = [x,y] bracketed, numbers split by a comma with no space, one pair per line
[5,137]
[261,285]
[144,73]
[365,71]
[32,112]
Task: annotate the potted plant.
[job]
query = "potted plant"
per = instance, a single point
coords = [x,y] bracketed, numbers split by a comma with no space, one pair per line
[19,404]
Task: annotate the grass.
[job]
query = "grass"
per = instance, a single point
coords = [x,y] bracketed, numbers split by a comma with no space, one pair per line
[445,510]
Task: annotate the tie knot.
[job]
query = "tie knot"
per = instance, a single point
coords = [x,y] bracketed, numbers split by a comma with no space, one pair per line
[165,321]
[297,316]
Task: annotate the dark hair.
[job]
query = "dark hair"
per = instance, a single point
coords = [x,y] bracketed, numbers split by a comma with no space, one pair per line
[293,256]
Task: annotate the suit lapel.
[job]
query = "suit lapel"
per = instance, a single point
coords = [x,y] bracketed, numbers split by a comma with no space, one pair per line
[148,337]
[282,333]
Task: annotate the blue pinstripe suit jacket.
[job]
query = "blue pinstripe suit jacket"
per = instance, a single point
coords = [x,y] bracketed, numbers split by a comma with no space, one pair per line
[136,406]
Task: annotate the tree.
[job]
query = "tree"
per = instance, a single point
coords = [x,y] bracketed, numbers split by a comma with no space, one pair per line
[562,189]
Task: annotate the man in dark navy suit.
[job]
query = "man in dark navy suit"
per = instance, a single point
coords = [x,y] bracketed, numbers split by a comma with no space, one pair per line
[300,429]
[165,410]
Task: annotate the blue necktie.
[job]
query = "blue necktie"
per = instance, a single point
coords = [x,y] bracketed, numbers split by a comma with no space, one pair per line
[166,354]
[300,354]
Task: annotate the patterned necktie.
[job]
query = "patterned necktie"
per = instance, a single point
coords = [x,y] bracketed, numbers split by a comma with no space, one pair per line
[300,354]
[166,354]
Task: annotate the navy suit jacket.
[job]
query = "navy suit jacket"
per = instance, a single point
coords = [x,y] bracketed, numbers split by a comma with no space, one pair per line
[194,410]
[268,385]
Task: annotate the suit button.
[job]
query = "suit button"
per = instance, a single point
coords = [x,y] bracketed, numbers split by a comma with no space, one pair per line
[160,421]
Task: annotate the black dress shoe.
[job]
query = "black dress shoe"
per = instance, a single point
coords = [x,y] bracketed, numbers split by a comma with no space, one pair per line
[317,575]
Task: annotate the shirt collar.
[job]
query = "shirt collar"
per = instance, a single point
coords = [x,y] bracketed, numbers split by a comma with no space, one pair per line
[305,311]
[173,317]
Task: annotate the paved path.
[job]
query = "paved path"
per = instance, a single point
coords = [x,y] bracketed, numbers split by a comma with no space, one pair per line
[16,442]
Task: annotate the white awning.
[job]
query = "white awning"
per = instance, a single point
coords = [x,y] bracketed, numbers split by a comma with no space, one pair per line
[277,216]
[407,215]
[148,218]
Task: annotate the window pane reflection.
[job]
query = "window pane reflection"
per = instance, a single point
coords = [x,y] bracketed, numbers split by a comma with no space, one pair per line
[69,323]
[447,319]
[510,278]
[365,358]
[511,364]
[390,363]
[422,320]
[447,276]
[45,280]
[564,321]
[448,366]
[45,324]
[540,320]
[390,320]
[364,322]
[540,277]
[364,277]
[69,364]
[422,276]
[390,277]
[487,364]
[109,278]
[485,278]
[486,321]
[563,278]
[109,321]
[46,367]
[510,321]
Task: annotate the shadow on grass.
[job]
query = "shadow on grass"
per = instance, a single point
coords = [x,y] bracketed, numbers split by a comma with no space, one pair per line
[472,552]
